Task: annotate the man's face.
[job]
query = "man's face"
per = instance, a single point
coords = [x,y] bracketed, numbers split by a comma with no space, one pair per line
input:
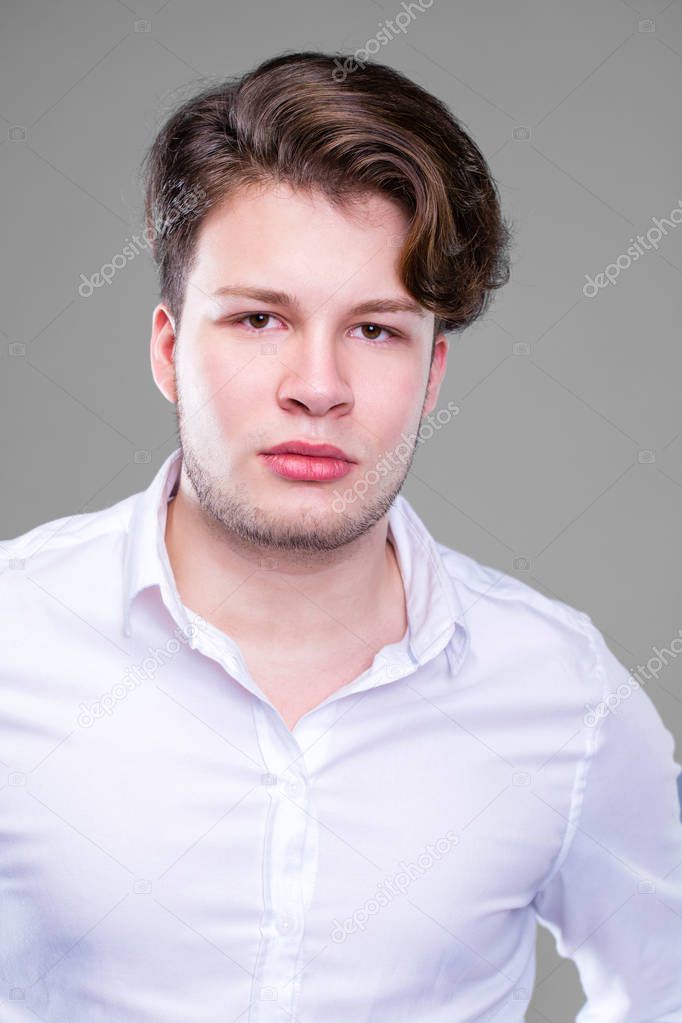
[249,373]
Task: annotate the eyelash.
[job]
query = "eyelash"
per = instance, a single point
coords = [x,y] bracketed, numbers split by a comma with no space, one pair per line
[259,312]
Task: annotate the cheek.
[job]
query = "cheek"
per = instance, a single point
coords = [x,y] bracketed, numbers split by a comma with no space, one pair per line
[391,400]
[217,378]
[235,391]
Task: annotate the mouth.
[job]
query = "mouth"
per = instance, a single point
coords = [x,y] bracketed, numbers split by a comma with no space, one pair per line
[312,450]
[315,463]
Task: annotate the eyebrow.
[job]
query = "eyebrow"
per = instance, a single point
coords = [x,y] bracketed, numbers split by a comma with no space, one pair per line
[373,305]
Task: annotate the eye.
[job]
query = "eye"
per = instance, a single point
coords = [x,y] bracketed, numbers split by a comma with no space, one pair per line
[377,327]
[261,318]
[255,316]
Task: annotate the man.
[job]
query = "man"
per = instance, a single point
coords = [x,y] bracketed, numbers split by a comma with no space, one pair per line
[273,752]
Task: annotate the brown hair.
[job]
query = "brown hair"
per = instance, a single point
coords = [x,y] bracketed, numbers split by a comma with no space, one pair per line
[292,120]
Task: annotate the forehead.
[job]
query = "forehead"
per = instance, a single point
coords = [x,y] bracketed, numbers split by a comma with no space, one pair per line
[300,242]
[278,207]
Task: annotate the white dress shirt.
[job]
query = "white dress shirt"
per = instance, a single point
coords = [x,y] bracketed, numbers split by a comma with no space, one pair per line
[170,852]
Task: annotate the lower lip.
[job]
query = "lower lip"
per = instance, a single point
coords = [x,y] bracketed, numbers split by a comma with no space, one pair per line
[308,467]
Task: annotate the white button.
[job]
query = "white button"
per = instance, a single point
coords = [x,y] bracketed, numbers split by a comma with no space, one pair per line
[292,788]
[284,924]
[268,779]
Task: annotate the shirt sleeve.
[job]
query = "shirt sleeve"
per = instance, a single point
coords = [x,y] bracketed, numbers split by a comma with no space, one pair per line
[613,900]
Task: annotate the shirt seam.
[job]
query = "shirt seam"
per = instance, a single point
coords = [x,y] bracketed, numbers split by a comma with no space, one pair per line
[583,770]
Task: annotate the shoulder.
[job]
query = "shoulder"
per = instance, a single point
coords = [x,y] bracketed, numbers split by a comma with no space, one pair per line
[494,587]
[59,547]
[523,632]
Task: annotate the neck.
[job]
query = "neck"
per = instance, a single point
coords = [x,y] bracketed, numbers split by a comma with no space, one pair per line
[322,599]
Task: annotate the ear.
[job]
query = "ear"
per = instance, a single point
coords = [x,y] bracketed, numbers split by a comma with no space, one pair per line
[436,373]
[162,352]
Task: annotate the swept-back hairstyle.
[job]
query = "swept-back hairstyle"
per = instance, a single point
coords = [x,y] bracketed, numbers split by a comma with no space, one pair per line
[292,120]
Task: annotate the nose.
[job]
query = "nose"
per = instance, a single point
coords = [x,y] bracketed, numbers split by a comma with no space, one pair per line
[314,374]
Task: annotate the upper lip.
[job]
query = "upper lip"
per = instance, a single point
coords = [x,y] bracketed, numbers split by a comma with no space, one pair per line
[303,447]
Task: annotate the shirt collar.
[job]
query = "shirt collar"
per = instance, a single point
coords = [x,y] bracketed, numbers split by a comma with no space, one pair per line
[433,605]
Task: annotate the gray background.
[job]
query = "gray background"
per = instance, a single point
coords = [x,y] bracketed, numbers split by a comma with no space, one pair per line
[564,464]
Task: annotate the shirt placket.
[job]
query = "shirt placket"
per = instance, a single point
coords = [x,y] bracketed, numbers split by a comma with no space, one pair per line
[290,856]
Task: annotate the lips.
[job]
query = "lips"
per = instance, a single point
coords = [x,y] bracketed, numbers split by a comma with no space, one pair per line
[313,450]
